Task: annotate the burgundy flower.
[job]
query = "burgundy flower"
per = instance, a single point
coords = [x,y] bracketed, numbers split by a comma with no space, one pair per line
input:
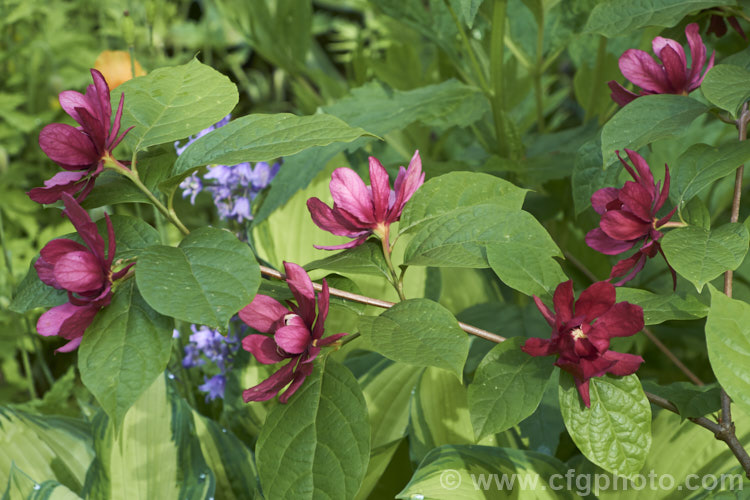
[672,76]
[297,335]
[718,24]
[80,150]
[84,271]
[581,333]
[629,217]
[358,210]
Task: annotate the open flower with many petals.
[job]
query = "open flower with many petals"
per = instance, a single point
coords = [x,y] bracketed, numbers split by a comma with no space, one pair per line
[297,335]
[359,210]
[84,271]
[581,333]
[629,217]
[672,76]
[81,150]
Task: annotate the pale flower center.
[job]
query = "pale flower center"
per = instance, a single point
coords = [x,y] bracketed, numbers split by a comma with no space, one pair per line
[577,334]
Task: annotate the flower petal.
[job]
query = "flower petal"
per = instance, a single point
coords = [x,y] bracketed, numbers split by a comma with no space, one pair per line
[659,45]
[70,100]
[294,339]
[264,313]
[640,68]
[61,182]
[638,200]
[624,364]
[563,300]
[548,315]
[697,54]
[49,256]
[407,182]
[623,225]
[645,178]
[102,96]
[302,372]
[620,94]
[622,320]
[538,347]
[676,69]
[79,272]
[323,217]
[263,348]
[323,302]
[86,228]
[596,300]
[68,146]
[66,320]
[599,241]
[603,197]
[272,385]
[351,195]
[302,288]
[380,187]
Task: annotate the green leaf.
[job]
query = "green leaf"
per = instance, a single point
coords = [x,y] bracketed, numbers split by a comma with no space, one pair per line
[421,332]
[647,119]
[379,110]
[363,259]
[461,237]
[439,414]
[466,10]
[507,387]
[22,487]
[727,87]
[173,103]
[125,348]
[700,255]
[528,266]
[318,444]
[440,195]
[473,472]
[588,174]
[206,280]
[701,165]
[45,447]
[615,432]
[265,137]
[614,17]
[692,401]
[728,342]
[153,454]
[660,308]
[230,460]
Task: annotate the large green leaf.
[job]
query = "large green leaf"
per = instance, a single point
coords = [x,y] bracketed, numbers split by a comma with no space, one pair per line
[230,460]
[48,448]
[728,342]
[420,332]
[701,165]
[477,472]
[455,190]
[700,255]
[206,280]
[727,87]
[131,236]
[461,237]
[363,259]
[528,266]
[507,387]
[125,348]
[379,110]
[614,17]
[22,487]
[153,454]
[660,308]
[647,119]
[439,414]
[265,137]
[317,445]
[173,103]
[589,175]
[615,432]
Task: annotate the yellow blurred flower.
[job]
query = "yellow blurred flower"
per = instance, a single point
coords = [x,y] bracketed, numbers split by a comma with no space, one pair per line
[115,66]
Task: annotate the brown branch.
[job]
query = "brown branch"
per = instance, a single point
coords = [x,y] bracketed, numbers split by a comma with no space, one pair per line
[362,299]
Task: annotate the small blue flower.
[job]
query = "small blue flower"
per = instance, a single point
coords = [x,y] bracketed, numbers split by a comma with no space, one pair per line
[214,387]
[191,186]
[192,357]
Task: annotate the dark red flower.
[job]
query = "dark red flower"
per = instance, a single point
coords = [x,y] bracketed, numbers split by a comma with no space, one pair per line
[718,24]
[84,271]
[297,335]
[358,210]
[80,150]
[581,333]
[629,217]
[671,77]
